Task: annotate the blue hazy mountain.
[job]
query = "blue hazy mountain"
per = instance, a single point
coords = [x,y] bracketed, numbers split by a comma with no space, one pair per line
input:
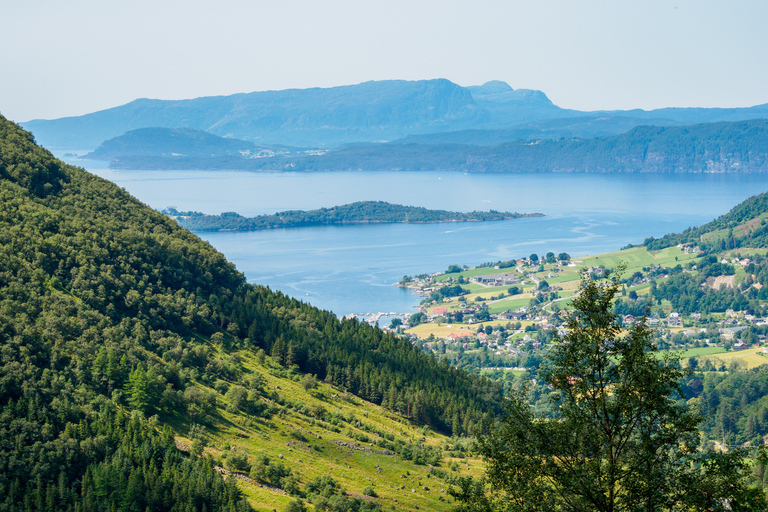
[371,111]
[739,146]
[169,142]
[375,111]
[567,127]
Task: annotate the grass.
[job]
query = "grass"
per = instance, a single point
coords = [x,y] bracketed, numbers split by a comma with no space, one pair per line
[701,351]
[494,374]
[298,438]
[636,258]
[750,358]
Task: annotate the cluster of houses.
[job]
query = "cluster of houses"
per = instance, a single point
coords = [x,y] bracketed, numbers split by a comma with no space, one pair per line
[689,249]
[736,261]
[498,279]
[733,322]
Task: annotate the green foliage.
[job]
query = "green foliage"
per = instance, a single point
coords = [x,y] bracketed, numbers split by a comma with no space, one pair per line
[616,437]
[105,302]
[237,396]
[308,382]
[236,459]
[295,506]
[689,293]
[420,453]
[755,236]
[137,389]
[735,405]
[266,471]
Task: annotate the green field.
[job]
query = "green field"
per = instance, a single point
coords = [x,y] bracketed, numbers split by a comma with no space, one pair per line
[702,351]
[311,447]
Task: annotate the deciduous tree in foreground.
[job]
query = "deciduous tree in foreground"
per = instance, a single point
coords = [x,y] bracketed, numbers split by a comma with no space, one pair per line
[618,437]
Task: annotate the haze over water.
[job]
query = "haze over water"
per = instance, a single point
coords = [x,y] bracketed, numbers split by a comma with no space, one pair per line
[351,269]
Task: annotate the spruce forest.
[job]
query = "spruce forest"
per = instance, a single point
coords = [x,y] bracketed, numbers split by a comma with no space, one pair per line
[115,326]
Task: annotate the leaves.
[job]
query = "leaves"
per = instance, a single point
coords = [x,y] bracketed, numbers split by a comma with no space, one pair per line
[617,437]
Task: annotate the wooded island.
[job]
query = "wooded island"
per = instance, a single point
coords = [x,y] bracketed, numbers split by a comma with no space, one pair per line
[361,212]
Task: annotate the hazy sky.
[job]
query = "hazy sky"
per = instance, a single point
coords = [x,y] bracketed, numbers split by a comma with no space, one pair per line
[60,58]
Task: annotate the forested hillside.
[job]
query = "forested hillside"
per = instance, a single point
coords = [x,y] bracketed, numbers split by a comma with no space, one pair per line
[743,226]
[110,312]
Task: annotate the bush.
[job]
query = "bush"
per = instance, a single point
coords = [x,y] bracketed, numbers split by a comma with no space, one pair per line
[295,506]
[323,485]
[264,471]
[199,403]
[236,459]
[237,396]
[308,382]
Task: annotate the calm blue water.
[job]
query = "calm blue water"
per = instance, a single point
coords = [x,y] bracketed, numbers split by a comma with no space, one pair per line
[351,269]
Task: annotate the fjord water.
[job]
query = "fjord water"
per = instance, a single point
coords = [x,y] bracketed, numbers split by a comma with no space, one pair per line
[351,269]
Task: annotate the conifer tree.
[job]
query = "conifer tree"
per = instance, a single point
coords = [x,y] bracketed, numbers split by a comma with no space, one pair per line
[137,389]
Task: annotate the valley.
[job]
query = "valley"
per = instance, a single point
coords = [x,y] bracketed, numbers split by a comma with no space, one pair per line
[383,257]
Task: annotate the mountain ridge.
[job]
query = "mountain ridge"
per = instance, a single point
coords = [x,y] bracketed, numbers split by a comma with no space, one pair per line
[371,111]
[740,146]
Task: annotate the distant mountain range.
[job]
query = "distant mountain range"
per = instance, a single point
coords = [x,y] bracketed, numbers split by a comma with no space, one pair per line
[711,147]
[432,111]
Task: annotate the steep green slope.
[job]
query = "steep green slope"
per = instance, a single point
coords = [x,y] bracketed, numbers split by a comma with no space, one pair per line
[743,226]
[108,308]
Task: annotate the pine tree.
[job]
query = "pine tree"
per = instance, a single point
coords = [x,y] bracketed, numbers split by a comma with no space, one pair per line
[137,389]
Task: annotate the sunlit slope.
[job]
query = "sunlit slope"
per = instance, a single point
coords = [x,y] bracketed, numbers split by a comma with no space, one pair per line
[316,430]
[742,227]
[109,310]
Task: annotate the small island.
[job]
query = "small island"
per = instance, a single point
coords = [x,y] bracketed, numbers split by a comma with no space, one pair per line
[361,212]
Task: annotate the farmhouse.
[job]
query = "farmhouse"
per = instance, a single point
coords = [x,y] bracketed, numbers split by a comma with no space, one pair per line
[499,279]
[513,315]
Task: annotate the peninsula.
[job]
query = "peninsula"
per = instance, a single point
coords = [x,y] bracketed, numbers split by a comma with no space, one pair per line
[361,212]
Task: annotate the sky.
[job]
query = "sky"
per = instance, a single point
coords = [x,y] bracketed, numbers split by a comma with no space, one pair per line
[70,58]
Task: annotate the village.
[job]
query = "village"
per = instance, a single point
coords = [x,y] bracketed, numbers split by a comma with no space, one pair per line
[503,315]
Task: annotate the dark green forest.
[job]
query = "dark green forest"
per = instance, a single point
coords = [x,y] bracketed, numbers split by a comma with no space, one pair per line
[361,212]
[111,313]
